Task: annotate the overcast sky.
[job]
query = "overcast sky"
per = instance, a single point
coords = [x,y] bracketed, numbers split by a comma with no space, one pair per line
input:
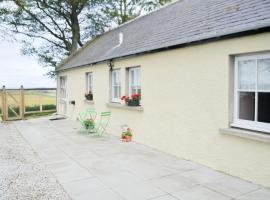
[17,70]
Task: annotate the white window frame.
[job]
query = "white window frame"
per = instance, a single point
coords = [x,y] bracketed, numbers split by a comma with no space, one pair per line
[246,124]
[130,86]
[89,82]
[113,85]
[63,87]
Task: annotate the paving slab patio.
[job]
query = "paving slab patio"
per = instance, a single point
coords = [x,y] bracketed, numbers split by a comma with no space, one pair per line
[104,168]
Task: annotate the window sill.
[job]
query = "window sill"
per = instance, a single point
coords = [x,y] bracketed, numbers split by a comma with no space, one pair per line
[124,107]
[251,135]
[89,101]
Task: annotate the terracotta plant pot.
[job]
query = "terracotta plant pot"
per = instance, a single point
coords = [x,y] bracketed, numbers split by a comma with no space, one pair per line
[128,138]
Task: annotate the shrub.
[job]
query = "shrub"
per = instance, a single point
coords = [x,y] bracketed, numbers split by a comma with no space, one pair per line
[49,107]
[89,124]
[32,108]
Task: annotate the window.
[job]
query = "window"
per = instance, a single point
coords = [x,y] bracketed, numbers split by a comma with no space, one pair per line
[252,92]
[89,83]
[134,81]
[63,87]
[116,86]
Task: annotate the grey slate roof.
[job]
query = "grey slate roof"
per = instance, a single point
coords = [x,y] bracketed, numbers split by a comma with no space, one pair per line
[178,23]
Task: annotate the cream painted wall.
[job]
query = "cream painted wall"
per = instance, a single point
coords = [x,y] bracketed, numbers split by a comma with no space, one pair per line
[185,96]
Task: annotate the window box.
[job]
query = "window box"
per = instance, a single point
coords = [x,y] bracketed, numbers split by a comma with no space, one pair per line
[135,102]
[89,97]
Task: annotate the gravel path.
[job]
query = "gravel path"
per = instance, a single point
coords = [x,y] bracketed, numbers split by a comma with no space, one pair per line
[23,175]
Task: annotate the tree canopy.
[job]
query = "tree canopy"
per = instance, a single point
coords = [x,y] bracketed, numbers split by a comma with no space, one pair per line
[51,30]
[122,11]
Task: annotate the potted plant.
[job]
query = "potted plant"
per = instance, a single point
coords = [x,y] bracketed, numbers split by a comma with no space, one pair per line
[89,96]
[89,124]
[127,135]
[134,100]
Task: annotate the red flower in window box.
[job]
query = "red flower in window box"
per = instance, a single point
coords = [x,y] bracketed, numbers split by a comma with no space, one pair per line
[135,96]
[125,98]
[134,100]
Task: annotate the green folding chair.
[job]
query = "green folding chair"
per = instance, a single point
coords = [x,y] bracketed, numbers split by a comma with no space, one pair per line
[88,114]
[101,126]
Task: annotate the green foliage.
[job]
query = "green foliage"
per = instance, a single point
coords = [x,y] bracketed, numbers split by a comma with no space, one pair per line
[89,124]
[122,11]
[127,132]
[11,114]
[31,108]
[49,107]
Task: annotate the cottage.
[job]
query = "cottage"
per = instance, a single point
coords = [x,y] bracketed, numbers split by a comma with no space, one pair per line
[202,69]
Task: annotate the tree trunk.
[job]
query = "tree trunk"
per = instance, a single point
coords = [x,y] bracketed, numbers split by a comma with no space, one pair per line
[75,31]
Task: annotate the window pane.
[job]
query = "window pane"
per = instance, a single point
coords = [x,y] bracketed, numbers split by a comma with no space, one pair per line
[118,78]
[264,107]
[119,92]
[139,91]
[115,92]
[89,82]
[136,76]
[247,74]
[133,91]
[139,77]
[132,77]
[247,106]
[264,74]
[114,78]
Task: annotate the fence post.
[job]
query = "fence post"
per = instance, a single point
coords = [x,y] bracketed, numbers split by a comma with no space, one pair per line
[4,104]
[40,102]
[22,104]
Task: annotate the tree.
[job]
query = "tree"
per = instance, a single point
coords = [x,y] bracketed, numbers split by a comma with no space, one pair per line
[51,30]
[122,11]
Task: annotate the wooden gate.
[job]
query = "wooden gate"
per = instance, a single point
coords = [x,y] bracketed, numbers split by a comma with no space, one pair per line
[12,104]
[21,103]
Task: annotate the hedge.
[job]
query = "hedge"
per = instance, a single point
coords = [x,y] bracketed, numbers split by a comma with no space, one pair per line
[34,108]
